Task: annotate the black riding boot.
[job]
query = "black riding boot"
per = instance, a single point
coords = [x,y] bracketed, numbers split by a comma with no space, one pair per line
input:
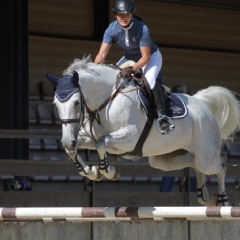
[165,124]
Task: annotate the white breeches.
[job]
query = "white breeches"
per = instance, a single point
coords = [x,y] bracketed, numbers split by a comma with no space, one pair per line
[151,70]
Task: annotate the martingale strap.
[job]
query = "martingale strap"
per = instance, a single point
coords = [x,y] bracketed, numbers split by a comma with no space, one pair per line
[111,64]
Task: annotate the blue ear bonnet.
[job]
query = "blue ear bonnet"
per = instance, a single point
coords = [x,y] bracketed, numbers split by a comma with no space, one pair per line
[65,88]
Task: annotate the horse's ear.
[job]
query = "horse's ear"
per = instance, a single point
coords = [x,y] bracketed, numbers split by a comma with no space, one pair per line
[51,78]
[75,79]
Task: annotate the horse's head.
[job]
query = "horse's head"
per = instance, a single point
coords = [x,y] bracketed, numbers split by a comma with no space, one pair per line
[68,102]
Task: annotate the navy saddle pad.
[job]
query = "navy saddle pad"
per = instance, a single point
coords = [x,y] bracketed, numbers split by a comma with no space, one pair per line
[175,107]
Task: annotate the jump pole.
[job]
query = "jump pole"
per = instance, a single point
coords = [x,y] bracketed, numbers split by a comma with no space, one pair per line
[81,214]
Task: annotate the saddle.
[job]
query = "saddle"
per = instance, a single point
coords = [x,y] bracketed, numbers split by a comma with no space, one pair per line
[175,107]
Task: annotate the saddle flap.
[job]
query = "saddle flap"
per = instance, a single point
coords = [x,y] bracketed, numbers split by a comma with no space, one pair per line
[175,107]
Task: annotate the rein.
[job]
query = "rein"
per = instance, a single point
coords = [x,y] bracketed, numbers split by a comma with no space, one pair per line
[141,81]
[94,114]
[112,63]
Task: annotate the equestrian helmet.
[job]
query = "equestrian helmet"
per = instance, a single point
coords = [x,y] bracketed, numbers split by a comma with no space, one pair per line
[123,6]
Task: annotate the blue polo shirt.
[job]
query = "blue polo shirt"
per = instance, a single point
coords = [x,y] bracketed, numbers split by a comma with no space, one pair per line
[130,39]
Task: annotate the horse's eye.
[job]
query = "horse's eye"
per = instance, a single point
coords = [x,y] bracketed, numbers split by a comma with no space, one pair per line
[77,102]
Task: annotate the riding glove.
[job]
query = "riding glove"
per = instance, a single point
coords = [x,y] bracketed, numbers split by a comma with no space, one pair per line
[127,72]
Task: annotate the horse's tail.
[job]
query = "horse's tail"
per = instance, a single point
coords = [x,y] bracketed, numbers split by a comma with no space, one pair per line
[224,106]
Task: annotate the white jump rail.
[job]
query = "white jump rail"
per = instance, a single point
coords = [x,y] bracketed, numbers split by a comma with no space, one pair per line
[82,214]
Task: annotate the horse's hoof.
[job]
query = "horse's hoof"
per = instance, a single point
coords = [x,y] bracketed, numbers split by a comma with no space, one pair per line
[205,194]
[100,176]
[116,176]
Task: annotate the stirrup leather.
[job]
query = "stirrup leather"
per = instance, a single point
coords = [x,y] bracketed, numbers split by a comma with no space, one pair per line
[171,125]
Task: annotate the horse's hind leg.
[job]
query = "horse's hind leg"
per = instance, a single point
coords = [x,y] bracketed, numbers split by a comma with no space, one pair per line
[219,169]
[222,199]
[202,192]
[203,197]
[177,160]
[172,161]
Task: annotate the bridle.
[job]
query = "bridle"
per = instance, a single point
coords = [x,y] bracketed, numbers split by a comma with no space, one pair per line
[93,114]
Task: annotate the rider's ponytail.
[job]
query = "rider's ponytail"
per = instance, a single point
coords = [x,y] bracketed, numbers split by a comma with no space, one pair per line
[139,18]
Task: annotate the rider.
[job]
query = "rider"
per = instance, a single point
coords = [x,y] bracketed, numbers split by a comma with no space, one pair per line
[132,35]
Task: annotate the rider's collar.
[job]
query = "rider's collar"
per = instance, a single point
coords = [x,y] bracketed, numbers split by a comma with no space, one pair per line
[128,26]
[126,33]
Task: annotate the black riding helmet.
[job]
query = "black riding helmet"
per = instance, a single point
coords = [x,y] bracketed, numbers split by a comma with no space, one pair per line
[123,6]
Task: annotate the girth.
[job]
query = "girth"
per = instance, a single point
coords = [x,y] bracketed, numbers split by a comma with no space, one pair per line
[141,80]
[138,148]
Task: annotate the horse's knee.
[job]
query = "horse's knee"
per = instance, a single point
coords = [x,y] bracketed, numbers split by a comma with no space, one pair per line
[102,144]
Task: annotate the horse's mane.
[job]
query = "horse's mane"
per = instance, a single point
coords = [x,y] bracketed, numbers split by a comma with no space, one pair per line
[100,74]
[79,64]
[85,65]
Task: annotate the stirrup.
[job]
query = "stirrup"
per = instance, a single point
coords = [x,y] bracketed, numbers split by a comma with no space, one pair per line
[171,125]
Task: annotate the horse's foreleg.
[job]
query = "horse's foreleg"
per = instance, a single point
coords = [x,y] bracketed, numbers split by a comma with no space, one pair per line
[105,168]
[91,173]
[117,142]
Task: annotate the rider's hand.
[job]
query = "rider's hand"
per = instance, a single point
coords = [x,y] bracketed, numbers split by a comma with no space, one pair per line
[127,72]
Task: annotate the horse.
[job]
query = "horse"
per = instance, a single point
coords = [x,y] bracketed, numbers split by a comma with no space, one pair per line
[101,111]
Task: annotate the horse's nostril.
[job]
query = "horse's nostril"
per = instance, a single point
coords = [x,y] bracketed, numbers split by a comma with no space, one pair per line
[73,144]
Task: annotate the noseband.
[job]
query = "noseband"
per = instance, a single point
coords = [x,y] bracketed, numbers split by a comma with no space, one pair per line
[69,120]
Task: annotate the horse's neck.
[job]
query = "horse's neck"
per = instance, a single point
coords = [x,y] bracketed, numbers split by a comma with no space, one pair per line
[96,91]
